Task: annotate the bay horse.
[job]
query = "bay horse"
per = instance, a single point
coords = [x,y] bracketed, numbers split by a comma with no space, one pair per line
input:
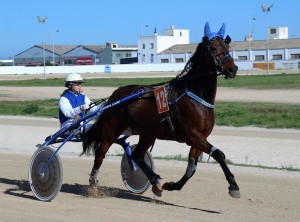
[190,118]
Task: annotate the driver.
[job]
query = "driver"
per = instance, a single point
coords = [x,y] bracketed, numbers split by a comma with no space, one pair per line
[73,102]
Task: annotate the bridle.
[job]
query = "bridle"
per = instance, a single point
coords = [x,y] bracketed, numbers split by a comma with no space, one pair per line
[218,61]
[221,58]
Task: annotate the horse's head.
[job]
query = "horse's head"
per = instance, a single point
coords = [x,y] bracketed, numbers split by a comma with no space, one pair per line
[218,47]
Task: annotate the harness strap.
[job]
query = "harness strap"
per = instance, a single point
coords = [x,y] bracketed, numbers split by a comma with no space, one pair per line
[177,99]
[198,99]
[167,114]
[193,96]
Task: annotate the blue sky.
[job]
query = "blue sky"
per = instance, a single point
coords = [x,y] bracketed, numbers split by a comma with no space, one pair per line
[96,22]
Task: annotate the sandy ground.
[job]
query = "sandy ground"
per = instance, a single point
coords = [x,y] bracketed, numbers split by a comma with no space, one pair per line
[266,195]
[224,94]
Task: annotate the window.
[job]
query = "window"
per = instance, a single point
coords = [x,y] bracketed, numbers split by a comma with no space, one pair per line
[178,60]
[272,31]
[69,62]
[128,54]
[295,56]
[151,46]
[277,57]
[259,57]
[242,58]
[151,58]
[118,55]
[143,58]
[143,46]
[164,61]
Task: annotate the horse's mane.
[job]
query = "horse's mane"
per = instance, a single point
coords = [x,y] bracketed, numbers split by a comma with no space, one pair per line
[195,58]
[190,67]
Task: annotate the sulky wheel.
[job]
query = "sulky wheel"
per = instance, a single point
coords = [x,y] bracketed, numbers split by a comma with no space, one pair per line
[45,186]
[135,181]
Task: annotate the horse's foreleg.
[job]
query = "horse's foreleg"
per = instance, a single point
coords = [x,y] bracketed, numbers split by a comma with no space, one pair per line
[219,156]
[99,156]
[190,170]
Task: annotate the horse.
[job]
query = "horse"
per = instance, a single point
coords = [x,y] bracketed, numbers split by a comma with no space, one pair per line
[189,119]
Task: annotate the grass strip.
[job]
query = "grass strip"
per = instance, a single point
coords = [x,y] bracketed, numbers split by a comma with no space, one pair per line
[236,114]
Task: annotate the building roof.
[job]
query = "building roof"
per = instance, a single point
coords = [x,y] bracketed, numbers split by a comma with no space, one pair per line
[95,48]
[180,48]
[239,46]
[62,49]
[127,46]
[58,49]
[116,47]
[261,44]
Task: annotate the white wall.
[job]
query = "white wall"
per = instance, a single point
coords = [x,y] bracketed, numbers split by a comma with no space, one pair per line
[16,70]
[159,67]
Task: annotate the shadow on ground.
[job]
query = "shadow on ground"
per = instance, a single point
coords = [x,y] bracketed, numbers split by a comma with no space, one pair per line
[22,189]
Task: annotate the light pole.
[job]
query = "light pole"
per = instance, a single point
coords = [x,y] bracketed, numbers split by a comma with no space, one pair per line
[42,21]
[267,9]
[53,47]
[250,31]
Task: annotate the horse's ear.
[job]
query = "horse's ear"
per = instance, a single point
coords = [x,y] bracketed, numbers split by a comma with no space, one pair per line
[207,31]
[205,39]
[221,32]
[227,39]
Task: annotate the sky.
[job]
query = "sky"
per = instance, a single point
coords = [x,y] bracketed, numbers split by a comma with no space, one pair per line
[96,22]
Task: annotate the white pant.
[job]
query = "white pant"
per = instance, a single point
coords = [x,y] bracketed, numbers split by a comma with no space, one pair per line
[70,122]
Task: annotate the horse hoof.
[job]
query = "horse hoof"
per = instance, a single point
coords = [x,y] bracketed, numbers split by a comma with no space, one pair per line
[168,186]
[234,193]
[157,190]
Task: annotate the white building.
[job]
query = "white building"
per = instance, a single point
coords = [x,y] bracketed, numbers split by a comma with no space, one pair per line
[150,46]
[278,33]
[277,48]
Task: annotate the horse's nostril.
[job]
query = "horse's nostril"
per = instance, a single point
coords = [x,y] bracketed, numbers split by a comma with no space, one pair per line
[233,70]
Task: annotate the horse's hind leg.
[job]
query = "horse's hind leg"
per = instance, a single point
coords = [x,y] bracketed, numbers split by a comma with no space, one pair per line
[99,156]
[191,168]
[219,156]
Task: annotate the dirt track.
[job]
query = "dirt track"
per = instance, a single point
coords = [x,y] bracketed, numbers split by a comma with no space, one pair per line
[266,195]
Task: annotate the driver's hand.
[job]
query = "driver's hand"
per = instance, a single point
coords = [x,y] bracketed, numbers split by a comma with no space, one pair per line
[84,107]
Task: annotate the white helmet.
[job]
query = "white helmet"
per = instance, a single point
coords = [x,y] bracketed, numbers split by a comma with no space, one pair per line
[73,78]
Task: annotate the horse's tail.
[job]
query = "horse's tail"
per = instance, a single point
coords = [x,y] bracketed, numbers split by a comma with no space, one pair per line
[91,139]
